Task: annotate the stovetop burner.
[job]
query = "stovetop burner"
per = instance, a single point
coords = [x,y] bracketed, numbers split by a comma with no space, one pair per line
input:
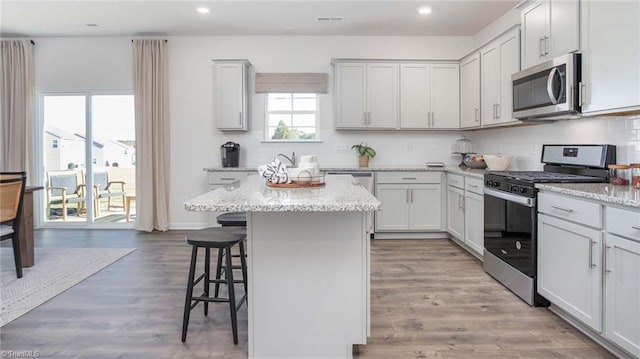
[545,177]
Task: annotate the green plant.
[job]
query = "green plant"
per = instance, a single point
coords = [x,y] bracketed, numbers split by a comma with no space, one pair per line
[364,150]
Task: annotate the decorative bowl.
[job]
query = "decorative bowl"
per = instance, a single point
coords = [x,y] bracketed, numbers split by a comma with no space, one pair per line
[474,161]
[498,162]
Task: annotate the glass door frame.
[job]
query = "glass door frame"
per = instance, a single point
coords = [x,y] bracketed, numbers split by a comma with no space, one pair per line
[40,196]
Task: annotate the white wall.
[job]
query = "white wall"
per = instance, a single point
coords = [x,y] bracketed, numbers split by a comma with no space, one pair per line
[525,143]
[195,141]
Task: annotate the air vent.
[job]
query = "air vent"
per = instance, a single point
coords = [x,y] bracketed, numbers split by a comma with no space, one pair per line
[329,18]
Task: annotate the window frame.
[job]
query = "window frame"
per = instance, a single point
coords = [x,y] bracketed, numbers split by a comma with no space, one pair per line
[292,112]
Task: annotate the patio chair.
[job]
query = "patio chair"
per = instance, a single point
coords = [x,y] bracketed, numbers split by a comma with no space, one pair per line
[11,197]
[64,187]
[104,188]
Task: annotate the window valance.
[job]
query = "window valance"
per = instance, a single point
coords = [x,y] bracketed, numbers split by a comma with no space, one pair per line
[292,83]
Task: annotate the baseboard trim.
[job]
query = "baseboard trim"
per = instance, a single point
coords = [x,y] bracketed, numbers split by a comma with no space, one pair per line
[592,334]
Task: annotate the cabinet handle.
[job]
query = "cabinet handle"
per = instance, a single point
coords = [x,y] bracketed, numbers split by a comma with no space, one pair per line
[472,186]
[240,118]
[591,264]
[409,178]
[546,45]
[411,195]
[364,118]
[428,119]
[227,179]
[637,228]
[406,195]
[568,210]
[541,46]
[368,118]
[433,119]
[606,250]
[498,111]
[495,111]
[475,114]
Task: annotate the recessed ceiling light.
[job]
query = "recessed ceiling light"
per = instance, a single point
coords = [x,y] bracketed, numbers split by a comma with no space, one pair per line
[203,10]
[424,10]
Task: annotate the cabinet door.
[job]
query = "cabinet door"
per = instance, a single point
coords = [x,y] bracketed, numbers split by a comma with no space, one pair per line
[425,207]
[533,20]
[569,268]
[414,95]
[350,89]
[474,222]
[509,64]
[382,95]
[470,92]
[563,27]
[394,211]
[610,55]
[455,212]
[445,96]
[490,80]
[622,293]
[230,96]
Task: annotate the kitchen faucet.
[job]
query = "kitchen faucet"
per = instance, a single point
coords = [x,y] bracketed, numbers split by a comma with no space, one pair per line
[291,160]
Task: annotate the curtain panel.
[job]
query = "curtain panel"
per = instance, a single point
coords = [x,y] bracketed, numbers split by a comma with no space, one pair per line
[17,106]
[151,93]
[292,83]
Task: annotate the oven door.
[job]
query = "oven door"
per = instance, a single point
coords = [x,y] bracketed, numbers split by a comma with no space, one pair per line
[510,229]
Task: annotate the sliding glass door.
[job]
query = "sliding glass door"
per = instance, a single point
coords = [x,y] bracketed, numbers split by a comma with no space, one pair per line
[98,127]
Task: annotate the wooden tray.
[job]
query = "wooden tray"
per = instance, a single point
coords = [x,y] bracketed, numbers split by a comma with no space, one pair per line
[305,184]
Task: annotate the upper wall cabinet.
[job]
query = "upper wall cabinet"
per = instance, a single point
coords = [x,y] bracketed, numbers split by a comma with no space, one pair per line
[610,56]
[470,91]
[550,28]
[498,61]
[232,94]
[366,95]
[429,96]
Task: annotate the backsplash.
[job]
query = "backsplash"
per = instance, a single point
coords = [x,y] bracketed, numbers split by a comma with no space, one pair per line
[525,143]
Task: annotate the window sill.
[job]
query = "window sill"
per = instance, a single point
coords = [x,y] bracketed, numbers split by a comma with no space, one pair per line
[291,141]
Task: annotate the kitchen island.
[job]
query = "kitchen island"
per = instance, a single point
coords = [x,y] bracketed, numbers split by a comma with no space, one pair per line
[308,275]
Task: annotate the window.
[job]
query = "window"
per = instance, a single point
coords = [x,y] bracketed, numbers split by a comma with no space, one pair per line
[54,143]
[292,117]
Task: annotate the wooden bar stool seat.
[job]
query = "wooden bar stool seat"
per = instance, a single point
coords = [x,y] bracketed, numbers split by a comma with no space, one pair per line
[223,240]
[232,219]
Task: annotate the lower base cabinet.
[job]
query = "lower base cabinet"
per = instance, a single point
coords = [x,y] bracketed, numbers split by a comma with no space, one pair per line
[474,221]
[622,293]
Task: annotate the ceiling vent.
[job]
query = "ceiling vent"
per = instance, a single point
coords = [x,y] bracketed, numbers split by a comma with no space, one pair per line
[329,18]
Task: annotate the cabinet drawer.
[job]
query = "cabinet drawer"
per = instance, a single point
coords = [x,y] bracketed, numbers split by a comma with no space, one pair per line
[408,177]
[225,177]
[455,180]
[474,185]
[625,223]
[572,209]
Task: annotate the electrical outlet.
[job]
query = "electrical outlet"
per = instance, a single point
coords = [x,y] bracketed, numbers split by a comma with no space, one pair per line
[342,148]
[409,148]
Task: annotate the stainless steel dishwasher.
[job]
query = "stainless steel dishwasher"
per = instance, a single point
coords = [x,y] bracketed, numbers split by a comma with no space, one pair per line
[367,180]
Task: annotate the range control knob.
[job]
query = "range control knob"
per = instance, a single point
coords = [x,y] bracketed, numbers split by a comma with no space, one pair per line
[523,190]
[514,189]
[495,184]
[488,183]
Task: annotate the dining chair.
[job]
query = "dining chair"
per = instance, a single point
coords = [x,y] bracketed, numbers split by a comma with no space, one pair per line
[12,186]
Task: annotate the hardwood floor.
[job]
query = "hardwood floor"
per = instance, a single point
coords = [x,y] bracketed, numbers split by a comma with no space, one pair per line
[430,299]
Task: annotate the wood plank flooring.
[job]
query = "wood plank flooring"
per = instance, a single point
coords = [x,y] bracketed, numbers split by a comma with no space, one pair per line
[430,299]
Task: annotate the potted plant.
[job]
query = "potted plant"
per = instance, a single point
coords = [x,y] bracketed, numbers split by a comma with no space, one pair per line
[365,152]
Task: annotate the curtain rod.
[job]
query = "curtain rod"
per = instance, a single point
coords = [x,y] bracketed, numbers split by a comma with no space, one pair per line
[165,40]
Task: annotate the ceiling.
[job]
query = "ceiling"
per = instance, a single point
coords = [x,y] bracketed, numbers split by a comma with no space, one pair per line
[19,18]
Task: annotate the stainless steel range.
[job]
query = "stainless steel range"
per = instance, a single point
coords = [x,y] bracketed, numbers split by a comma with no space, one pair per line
[510,211]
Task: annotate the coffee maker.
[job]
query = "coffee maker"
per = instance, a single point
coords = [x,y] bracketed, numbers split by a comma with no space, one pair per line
[230,154]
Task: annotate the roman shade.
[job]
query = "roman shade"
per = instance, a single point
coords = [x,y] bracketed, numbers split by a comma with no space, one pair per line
[292,83]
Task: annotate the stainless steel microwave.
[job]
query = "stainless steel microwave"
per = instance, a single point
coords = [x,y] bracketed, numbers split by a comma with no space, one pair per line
[548,91]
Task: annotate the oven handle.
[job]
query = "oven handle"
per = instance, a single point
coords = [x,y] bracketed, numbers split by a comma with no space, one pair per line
[525,201]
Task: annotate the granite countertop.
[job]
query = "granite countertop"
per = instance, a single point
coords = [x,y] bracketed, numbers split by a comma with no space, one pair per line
[622,195]
[340,194]
[451,169]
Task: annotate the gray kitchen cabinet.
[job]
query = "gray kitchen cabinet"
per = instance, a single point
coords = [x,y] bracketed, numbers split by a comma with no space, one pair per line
[550,28]
[474,215]
[470,91]
[429,96]
[498,61]
[232,94]
[411,202]
[455,212]
[366,95]
[610,42]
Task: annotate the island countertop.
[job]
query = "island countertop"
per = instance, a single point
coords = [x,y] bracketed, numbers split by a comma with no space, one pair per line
[621,195]
[340,194]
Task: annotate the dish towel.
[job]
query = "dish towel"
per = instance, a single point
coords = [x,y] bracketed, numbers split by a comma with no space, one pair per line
[275,172]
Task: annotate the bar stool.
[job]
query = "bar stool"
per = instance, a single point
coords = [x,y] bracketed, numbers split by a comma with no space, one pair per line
[232,219]
[223,240]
